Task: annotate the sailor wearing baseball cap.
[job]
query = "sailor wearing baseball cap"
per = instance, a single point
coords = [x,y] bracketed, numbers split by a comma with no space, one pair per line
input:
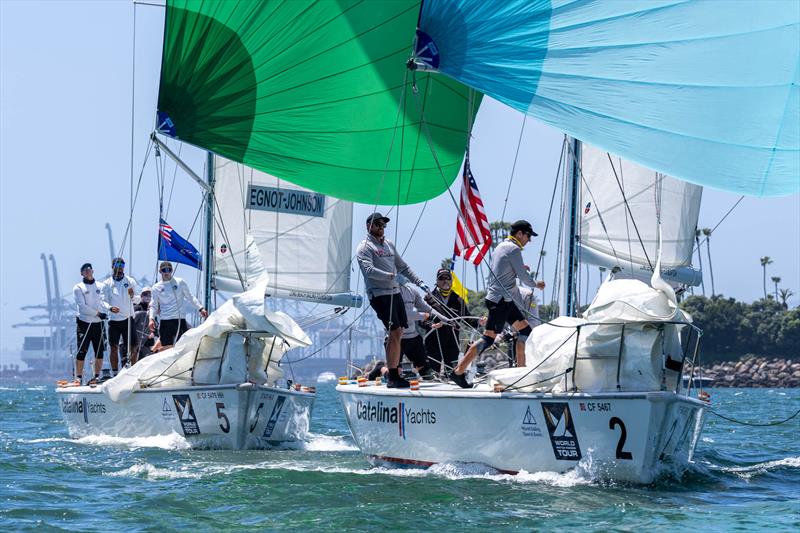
[91,310]
[118,292]
[503,299]
[380,265]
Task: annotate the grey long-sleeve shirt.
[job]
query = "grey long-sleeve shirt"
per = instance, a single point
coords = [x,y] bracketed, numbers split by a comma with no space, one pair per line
[416,308]
[507,266]
[380,263]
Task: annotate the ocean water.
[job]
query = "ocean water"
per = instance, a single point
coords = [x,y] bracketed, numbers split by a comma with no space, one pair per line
[743,479]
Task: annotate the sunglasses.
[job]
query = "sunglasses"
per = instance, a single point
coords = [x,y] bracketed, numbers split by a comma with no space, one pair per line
[379,224]
[118,265]
[444,278]
[166,270]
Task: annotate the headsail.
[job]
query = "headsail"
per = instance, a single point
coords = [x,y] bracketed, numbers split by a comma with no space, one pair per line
[316,93]
[706,91]
[299,240]
[619,226]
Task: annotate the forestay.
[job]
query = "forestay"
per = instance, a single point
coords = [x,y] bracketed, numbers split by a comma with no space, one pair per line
[615,234]
[705,91]
[269,229]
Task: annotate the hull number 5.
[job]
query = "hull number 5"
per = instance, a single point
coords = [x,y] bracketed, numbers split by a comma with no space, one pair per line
[226,427]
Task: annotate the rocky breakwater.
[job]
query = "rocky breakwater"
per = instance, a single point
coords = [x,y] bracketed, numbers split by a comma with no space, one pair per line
[751,371]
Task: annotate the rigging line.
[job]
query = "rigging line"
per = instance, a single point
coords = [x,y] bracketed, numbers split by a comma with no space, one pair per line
[599,216]
[174,176]
[133,115]
[543,360]
[700,243]
[453,199]
[380,183]
[136,194]
[628,207]
[312,354]
[556,290]
[413,231]
[552,202]
[755,424]
[514,166]
[221,227]
[627,222]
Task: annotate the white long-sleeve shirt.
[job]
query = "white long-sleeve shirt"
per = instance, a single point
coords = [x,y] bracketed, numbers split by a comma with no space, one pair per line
[89,301]
[115,294]
[170,299]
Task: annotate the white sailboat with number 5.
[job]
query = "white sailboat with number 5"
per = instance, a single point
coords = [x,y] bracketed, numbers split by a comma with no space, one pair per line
[215,387]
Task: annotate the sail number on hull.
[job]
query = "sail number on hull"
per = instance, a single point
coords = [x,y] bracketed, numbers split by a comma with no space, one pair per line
[613,423]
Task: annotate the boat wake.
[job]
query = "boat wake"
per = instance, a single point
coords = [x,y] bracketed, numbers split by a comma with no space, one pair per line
[328,443]
[756,469]
[172,441]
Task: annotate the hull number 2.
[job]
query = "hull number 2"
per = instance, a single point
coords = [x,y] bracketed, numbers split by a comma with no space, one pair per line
[613,423]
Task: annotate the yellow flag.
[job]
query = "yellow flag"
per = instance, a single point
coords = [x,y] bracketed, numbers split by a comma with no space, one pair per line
[458,288]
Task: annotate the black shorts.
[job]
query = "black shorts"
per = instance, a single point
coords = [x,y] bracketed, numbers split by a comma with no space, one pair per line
[169,331]
[90,334]
[501,313]
[414,349]
[391,310]
[118,329]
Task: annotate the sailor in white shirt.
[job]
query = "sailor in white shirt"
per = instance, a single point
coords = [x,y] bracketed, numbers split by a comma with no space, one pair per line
[91,311]
[118,292]
[170,295]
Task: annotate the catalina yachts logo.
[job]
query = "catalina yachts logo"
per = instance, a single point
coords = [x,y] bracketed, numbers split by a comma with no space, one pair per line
[394,414]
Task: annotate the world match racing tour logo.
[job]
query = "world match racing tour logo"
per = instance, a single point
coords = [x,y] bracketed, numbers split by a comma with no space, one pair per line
[394,414]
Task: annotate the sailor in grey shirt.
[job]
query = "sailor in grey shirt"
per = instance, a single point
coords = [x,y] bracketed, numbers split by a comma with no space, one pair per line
[503,298]
[380,264]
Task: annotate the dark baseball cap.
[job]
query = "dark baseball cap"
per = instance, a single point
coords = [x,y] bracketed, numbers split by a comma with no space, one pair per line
[85,266]
[524,226]
[377,216]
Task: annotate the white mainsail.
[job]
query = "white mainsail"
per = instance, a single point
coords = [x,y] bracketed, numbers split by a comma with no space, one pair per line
[265,227]
[615,235]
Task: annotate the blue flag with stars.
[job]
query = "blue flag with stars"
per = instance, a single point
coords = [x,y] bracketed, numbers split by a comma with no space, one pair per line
[173,247]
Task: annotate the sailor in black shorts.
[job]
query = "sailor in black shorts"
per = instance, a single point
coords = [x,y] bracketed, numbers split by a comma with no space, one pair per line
[380,263]
[502,295]
[91,310]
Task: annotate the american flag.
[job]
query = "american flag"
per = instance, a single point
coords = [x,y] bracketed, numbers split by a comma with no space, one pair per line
[473,236]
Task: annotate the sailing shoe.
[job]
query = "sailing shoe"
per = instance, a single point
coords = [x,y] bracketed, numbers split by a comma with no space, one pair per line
[398,383]
[427,374]
[460,380]
[375,372]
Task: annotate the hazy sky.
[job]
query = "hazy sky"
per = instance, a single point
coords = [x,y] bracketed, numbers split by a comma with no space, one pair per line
[66,96]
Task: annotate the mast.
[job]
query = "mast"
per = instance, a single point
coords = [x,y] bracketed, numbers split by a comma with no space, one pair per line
[569,296]
[208,265]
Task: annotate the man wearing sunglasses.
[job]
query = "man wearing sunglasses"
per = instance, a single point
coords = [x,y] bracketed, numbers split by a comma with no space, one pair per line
[170,295]
[91,311]
[118,293]
[380,264]
[503,299]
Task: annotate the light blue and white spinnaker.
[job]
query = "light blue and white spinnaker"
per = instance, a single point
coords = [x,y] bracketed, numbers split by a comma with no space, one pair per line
[704,90]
